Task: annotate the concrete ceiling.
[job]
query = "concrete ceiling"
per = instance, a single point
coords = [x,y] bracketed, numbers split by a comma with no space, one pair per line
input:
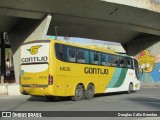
[94,19]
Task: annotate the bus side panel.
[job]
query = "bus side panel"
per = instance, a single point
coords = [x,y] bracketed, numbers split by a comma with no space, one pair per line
[71,74]
[123,81]
[59,86]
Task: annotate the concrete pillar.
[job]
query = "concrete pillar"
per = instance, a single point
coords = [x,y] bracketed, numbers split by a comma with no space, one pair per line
[142,42]
[25,30]
[3,60]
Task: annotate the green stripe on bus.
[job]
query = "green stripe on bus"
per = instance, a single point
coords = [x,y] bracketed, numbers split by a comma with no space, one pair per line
[121,77]
[115,77]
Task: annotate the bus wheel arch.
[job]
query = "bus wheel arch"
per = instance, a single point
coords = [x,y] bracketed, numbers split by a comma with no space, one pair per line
[130,88]
[78,93]
[89,92]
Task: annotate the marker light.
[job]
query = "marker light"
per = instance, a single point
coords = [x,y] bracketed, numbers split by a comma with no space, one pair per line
[50,79]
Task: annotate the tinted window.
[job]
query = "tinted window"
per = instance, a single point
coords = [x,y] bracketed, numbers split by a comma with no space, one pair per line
[114,60]
[129,63]
[86,54]
[136,67]
[122,62]
[71,54]
[104,59]
[82,56]
[61,52]
[91,57]
[94,57]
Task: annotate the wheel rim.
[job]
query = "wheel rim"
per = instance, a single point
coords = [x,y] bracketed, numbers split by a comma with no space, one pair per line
[79,93]
[90,92]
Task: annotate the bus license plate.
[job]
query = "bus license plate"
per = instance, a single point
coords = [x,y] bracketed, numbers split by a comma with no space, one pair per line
[34,85]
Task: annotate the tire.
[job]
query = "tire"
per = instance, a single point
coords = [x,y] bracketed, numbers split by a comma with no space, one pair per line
[78,93]
[89,93]
[130,89]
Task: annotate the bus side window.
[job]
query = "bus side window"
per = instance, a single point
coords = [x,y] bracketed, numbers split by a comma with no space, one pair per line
[94,57]
[61,53]
[104,59]
[71,54]
[91,57]
[114,61]
[136,67]
[122,62]
[129,63]
[86,56]
[82,56]
[107,60]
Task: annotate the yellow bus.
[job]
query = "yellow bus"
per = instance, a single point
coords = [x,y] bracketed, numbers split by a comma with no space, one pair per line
[53,68]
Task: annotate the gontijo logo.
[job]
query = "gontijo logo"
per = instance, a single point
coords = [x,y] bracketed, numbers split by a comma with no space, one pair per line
[36,58]
[34,49]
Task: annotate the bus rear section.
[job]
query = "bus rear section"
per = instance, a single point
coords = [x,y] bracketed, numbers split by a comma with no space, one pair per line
[35,77]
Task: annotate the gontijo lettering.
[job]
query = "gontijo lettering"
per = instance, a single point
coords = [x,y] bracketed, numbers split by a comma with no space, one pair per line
[89,70]
[34,59]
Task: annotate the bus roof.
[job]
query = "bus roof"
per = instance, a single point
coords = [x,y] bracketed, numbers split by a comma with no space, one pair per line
[91,47]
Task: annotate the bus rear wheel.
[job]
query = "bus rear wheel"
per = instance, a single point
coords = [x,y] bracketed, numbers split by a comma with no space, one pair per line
[78,93]
[89,93]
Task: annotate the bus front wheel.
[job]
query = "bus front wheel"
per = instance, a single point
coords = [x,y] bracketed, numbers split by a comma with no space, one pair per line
[130,88]
[78,93]
[89,93]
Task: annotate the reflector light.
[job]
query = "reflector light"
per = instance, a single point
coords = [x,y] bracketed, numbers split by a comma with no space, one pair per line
[50,79]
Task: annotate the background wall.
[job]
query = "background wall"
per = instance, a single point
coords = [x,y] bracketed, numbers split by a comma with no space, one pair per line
[147,51]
